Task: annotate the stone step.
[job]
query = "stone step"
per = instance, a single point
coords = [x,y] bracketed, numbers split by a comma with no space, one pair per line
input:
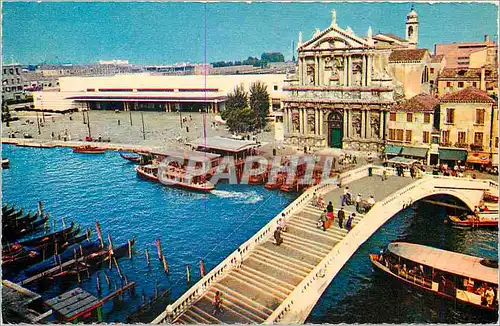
[227,316]
[313,222]
[307,232]
[244,300]
[274,253]
[292,278]
[331,233]
[273,264]
[272,259]
[307,242]
[316,212]
[268,277]
[193,315]
[278,292]
[185,319]
[295,247]
[287,252]
[206,315]
[236,308]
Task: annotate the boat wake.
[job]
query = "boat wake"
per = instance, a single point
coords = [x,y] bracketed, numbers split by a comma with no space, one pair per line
[250,197]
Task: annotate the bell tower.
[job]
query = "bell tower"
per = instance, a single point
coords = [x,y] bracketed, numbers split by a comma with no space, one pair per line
[412,27]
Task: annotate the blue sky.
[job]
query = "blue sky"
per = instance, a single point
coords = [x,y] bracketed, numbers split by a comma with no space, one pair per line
[162,33]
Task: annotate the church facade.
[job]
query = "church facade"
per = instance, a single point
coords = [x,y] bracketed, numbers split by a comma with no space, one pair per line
[346,84]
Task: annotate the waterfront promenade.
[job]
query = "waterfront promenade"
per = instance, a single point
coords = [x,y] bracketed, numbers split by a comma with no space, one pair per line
[264,283]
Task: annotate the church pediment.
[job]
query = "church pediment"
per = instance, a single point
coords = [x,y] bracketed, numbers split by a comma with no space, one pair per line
[334,38]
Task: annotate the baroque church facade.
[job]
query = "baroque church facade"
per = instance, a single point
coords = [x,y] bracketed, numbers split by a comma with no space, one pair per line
[345,86]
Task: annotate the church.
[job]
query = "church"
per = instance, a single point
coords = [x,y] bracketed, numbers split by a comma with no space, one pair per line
[346,84]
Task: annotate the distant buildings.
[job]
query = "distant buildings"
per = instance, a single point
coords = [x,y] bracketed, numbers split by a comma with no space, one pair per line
[469,54]
[18,82]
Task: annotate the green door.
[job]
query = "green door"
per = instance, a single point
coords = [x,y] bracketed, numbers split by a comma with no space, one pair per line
[336,138]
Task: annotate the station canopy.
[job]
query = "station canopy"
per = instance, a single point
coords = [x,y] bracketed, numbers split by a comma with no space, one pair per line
[414,151]
[452,155]
[186,154]
[224,144]
[447,261]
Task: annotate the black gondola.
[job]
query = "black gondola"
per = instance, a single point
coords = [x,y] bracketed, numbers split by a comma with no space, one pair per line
[6,210]
[11,233]
[51,237]
[28,218]
[14,214]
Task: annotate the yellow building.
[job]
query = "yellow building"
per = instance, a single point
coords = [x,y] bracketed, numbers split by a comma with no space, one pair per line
[410,127]
[454,79]
[467,122]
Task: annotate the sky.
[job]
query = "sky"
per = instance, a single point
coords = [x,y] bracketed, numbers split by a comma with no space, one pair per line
[165,33]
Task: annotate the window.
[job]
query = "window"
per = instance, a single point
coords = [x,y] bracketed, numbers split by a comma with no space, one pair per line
[427,118]
[474,84]
[480,116]
[432,70]
[392,116]
[461,137]
[450,115]
[425,137]
[496,142]
[445,139]
[5,71]
[275,87]
[448,84]
[478,138]
[409,117]
[460,84]
[408,135]
[392,134]
[435,139]
[399,134]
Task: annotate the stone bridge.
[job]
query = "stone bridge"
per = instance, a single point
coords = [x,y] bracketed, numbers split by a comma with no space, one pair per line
[264,283]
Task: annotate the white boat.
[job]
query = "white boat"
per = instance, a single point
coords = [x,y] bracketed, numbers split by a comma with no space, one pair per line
[178,177]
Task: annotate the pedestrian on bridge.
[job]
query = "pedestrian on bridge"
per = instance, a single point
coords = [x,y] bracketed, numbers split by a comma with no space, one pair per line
[348,225]
[217,303]
[341,216]
[277,236]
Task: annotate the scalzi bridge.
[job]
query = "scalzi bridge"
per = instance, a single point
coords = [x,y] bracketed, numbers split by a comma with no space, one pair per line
[264,283]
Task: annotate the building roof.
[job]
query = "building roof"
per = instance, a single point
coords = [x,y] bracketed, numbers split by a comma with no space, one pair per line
[394,37]
[223,143]
[419,103]
[448,261]
[186,154]
[437,58]
[469,94]
[460,73]
[407,55]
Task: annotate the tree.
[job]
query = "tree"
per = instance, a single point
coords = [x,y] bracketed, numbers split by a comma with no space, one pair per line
[259,102]
[239,116]
[6,114]
[272,57]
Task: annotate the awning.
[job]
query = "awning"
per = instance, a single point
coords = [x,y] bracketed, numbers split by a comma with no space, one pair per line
[402,160]
[392,150]
[415,151]
[478,158]
[452,155]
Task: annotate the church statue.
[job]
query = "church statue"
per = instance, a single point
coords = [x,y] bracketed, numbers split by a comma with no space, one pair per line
[375,125]
[334,18]
[311,122]
[295,122]
[356,123]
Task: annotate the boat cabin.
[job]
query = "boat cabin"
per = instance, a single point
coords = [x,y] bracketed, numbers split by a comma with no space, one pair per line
[238,149]
[184,157]
[469,279]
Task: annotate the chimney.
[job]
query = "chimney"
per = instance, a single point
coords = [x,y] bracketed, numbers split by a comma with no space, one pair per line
[482,82]
[486,38]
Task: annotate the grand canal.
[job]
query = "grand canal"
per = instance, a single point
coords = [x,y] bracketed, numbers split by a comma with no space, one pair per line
[85,188]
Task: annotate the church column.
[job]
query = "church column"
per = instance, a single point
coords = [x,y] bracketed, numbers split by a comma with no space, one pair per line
[290,122]
[363,70]
[351,130]
[381,127]
[321,117]
[306,127]
[316,70]
[345,123]
[316,122]
[368,124]
[300,71]
[369,70]
[345,70]
[349,70]
[301,121]
[363,123]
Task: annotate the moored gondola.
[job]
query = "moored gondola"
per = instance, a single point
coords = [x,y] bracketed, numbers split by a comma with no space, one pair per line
[12,233]
[58,235]
[131,158]
[26,219]
[7,210]
[14,214]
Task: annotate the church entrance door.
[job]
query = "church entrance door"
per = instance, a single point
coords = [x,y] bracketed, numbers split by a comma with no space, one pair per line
[335,129]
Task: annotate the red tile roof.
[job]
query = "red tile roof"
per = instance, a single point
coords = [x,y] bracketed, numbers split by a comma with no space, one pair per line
[469,73]
[437,58]
[419,103]
[407,55]
[469,94]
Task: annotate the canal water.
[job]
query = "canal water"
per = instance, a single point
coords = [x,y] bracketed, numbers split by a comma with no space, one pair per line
[85,188]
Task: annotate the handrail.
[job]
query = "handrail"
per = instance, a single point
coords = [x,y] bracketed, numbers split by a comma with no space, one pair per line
[172,311]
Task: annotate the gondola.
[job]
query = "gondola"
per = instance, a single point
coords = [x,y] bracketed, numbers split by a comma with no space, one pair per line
[27,219]
[51,237]
[15,232]
[6,210]
[14,214]
[48,248]
[87,149]
[131,158]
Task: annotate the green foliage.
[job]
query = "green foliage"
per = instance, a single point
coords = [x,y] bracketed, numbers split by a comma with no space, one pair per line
[259,102]
[272,57]
[239,116]
[5,114]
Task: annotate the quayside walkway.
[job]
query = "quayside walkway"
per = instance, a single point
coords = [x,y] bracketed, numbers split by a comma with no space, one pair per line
[264,283]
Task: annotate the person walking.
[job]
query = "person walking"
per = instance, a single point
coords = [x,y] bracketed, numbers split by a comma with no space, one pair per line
[384,174]
[277,236]
[358,202]
[217,303]
[322,222]
[348,225]
[329,210]
[341,216]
